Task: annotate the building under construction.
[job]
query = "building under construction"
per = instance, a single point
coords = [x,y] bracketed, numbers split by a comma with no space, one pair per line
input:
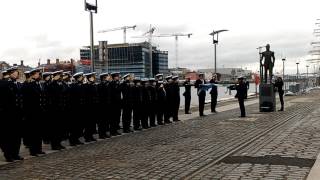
[126,58]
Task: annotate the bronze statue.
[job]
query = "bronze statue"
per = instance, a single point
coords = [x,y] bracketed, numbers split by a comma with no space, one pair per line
[268,63]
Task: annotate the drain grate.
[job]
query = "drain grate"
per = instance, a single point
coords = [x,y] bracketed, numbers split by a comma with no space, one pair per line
[270,160]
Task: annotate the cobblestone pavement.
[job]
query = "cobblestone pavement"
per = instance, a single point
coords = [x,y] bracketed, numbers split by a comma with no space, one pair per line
[279,145]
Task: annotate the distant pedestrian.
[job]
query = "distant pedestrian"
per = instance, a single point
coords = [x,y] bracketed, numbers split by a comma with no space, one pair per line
[187,95]
[279,86]
[214,93]
[201,93]
[241,92]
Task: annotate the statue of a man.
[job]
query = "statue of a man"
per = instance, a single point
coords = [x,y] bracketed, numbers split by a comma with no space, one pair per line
[268,63]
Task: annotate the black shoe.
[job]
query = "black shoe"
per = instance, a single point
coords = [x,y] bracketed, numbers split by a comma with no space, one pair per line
[176,120]
[138,129]
[102,136]
[153,125]
[242,116]
[167,122]
[62,147]
[56,148]
[280,110]
[79,142]
[19,158]
[34,154]
[126,131]
[160,123]
[188,113]
[9,159]
[202,115]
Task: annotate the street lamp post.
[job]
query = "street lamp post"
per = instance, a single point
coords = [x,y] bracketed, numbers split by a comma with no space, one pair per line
[92,8]
[307,75]
[283,59]
[215,37]
[297,70]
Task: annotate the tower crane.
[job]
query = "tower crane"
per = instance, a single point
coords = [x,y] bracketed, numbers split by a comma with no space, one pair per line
[124,28]
[149,35]
[176,36]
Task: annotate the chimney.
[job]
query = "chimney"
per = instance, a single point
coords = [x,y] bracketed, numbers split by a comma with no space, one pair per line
[21,62]
[57,61]
[48,61]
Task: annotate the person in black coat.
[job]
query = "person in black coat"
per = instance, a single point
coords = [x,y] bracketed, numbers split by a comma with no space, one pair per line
[187,95]
[66,103]
[127,102]
[91,105]
[176,98]
[241,94]
[153,102]
[201,93]
[77,103]
[279,86]
[33,104]
[137,104]
[56,120]
[104,106]
[11,112]
[46,76]
[115,109]
[214,94]
[161,99]
[169,104]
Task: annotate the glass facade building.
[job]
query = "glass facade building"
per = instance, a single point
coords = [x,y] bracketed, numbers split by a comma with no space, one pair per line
[128,58]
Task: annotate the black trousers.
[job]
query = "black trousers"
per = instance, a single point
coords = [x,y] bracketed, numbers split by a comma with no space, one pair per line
[137,116]
[187,102]
[126,116]
[281,100]
[242,108]
[213,102]
[152,114]
[175,109]
[202,99]
[115,118]
[160,111]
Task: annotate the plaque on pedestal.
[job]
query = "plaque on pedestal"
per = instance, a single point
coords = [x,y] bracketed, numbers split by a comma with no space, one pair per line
[267,98]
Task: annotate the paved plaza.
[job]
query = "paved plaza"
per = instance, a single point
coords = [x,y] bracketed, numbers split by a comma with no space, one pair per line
[277,145]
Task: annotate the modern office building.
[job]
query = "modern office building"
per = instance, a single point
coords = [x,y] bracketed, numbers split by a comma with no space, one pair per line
[126,58]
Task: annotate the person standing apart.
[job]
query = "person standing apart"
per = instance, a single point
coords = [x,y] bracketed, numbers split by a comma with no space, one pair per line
[187,95]
[241,93]
[279,86]
[201,93]
[214,93]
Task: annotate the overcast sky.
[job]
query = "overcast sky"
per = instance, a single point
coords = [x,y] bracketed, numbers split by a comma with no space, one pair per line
[41,29]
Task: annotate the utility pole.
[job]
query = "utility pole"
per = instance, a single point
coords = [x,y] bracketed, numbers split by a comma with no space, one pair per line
[283,60]
[215,42]
[92,8]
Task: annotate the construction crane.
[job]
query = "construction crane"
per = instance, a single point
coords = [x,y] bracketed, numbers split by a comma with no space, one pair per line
[124,28]
[176,36]
[149,35]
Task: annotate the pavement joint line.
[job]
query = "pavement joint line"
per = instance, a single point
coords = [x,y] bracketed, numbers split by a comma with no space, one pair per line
[217,160]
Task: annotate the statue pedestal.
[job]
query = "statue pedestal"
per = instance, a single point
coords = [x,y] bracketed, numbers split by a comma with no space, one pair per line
[267,98]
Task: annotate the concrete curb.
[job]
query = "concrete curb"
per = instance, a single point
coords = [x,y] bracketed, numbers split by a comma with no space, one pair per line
[315,170]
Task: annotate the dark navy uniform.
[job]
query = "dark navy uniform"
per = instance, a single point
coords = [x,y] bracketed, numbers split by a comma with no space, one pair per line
[201,95]
[127,103]
[153,102]
[115,109]
[187,96]
[33,103]
[161,102]
[279,86]
[137,104]
[57,125]
[214,95]
[104,107]
[77,103]
[175,90]
[91,105]
[241,94]
[11,112]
